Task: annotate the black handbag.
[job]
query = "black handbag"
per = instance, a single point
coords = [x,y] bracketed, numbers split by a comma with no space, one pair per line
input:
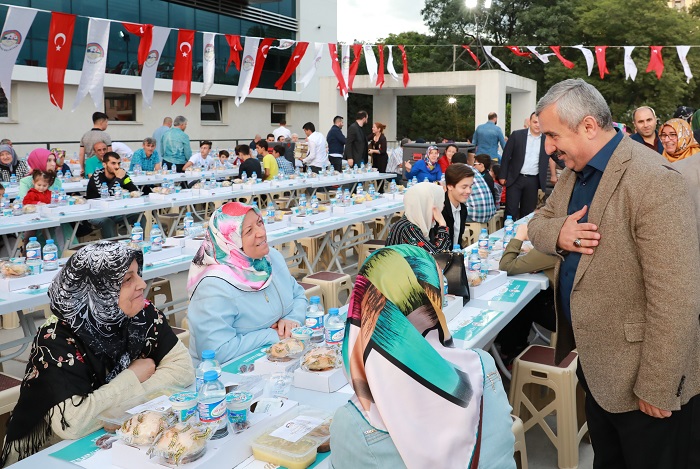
[455,272]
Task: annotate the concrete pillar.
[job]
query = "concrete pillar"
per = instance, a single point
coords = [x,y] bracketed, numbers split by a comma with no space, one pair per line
[522,104]
[330,104]
[490,97]
[384,111]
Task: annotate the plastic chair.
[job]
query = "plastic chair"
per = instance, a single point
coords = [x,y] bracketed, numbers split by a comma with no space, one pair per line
[520,450]
[367,248]
[332,284]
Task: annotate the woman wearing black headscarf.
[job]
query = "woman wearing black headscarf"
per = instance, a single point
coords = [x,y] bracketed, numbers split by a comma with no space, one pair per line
[103,344]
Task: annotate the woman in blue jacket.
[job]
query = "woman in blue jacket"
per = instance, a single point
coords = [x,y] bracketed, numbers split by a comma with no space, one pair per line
[242,295]
[419,402]
[428,167]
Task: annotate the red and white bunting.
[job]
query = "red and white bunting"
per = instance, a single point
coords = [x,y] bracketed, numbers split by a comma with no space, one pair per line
[588,55]
[600,58]
[182,74]
[656,62]
[250,52]
[208,62]
[92,77]
[630,66]
[14,32]
[150,66]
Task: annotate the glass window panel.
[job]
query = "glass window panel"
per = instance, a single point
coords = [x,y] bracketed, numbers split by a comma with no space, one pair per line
[123,10]
[154,12]
[120,106]
[211,110]
[4,110]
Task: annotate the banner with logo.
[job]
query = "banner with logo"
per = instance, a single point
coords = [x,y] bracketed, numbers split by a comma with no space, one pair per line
[250,51]
[57,54]
[182,74]
[293,63]
[208,67]
[263,50]
[150,66]
[145,32]
[14,32]
[306,79]
[93,76]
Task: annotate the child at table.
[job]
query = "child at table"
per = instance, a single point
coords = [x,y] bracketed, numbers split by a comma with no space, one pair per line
[40,193]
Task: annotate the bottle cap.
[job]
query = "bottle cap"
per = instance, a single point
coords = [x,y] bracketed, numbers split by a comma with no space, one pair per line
[333,311]
[211,375]
[49,241]
[475,250]
[456,246]
[208,354]
[155,225]
[33,238]
[187,214]
[137,224]
[314,300]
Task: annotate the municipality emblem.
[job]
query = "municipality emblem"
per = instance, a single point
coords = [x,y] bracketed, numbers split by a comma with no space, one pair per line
[94,52]
[10,39]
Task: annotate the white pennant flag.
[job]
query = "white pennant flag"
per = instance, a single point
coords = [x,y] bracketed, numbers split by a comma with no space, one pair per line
[209,62]
[150,66]
[306,79]
[345,65]
[544,58]
[250,52]
[371,62]
[14,32]
[283,44]
[589,57]
[487,49]
[93,76]
[630,67]
[682,53]
[390,66]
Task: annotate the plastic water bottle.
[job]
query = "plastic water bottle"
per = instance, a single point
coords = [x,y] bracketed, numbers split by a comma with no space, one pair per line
[507,230]
[270,213]
[137,233]
[254,176]
[173,169]
[339,195]
[474,262]
[314,319]
[104,191]
[442,180]
[212,403]
[17,207]
[360,190]
[188,222]
[54,198]
[62,198]
[314,204]
[208,363]
[392,187]
[50,255]
[302,204]
[415,180]
[254,204]
[5,206]
[425,179]
[484,271]
[371,191]
[484,243]
[156,238]
[33,251]
[334,329]
[13,181]
[362,167]
[68,174]
[118,192]
[244,177]
[137,170]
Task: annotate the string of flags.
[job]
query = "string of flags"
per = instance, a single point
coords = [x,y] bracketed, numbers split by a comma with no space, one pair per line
[248,55]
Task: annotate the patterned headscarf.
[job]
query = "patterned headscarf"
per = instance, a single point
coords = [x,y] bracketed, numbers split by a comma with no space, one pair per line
[221,254]
[426,158]
[408,378]
[687,145]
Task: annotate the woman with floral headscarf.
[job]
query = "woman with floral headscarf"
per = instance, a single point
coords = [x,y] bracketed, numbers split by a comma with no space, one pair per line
[103,345]
[242,295]
[420,401]
[428,167]
[43,160]
[677,138]
[11,165]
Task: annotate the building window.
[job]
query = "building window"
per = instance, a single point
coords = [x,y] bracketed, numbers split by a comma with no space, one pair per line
[120,107]
[278,112]
[4,108]
[211,110]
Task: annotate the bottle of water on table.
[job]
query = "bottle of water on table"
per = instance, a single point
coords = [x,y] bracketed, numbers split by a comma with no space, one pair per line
[270,215]
[208,363]
[508,228]
[212,403]
[314,319]
[156,238]
[474,263]
[188,221]
[33,251]
[50,255]
[104,191]
[334,329]
[484,243]
[137,233]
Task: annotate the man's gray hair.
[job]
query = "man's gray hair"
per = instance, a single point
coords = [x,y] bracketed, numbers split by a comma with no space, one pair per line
[149,141]
[575,99]
[179,120]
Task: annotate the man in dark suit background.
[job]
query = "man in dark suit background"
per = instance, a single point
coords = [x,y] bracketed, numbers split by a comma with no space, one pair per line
[524,167]
[356,142]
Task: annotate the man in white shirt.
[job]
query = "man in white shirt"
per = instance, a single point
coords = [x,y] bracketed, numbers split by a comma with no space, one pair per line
[202,159]
[317,158]
[282,131]
[524,169]
[122,149]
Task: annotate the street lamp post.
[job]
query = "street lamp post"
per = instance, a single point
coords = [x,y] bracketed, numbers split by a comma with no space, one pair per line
[126,39]
[473,5]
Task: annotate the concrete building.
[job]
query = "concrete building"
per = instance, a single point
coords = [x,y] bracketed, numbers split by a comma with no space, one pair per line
[30,117]
[680,4]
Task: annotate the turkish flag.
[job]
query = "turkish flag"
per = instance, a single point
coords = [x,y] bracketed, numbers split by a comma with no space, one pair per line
[263,50]
[145,32]
[516,50]
[380,72]
[293,63]
[476,59]
[567,63]
[57,54]
[656,62]
[356,50]
[182,74]
[235,47]
[333,49]
[600,58]
[405,66]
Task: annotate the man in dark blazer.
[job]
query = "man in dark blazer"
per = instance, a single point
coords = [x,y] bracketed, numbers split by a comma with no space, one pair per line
[356,142]
[622,223]
[459,179]
[524,169]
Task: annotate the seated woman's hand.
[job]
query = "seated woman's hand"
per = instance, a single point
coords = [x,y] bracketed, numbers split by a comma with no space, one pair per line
[284,327]
[521,232]
[143,368]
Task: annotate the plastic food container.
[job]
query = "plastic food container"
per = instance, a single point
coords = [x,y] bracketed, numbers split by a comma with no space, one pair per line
[294,438]
[184,404]
[237,404]
[127,409]
[303,333]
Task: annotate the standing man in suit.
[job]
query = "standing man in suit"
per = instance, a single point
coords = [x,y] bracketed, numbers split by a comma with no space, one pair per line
[622,223]
[524,167]
[336,143]
[356,143]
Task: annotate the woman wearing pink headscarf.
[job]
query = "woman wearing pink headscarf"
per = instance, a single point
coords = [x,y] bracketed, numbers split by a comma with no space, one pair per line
[43,160]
